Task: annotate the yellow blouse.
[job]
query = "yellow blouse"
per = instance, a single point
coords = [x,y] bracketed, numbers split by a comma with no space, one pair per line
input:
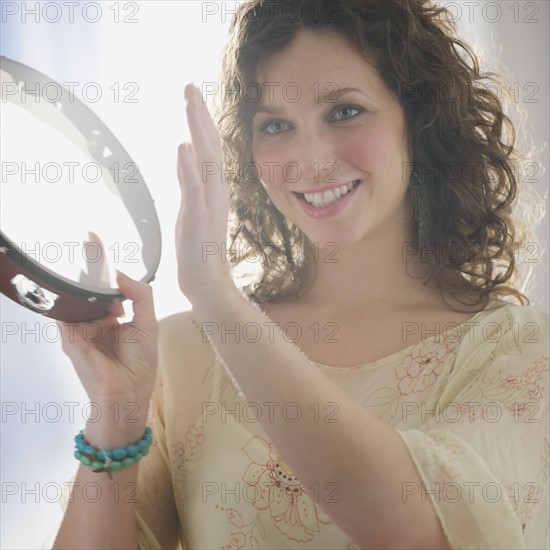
[470,402]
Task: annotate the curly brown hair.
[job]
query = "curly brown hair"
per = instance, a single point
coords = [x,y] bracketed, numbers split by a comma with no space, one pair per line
[462,143]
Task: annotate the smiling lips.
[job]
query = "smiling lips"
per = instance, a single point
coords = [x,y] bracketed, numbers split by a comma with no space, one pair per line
[328,203]
[330,196]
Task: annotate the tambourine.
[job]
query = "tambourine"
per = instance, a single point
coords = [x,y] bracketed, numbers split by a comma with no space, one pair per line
[74,206]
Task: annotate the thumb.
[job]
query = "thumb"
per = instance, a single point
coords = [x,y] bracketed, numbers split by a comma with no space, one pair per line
[141,296]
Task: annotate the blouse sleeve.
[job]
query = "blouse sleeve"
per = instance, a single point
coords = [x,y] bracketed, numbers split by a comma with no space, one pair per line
[483,452]
[156,512]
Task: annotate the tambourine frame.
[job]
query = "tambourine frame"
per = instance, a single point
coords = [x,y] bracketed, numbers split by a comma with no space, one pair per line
[68,300]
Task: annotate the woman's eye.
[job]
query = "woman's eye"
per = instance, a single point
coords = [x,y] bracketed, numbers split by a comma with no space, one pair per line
[347,112]
[274,127]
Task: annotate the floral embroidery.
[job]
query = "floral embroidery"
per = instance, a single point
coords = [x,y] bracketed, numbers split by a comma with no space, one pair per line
[528,381]
[182,456]
[243,538]
[276,490]
[195,436]
[420,368]
[525,502]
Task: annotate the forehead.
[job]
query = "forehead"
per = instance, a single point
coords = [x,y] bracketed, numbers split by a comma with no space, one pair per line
[316,61]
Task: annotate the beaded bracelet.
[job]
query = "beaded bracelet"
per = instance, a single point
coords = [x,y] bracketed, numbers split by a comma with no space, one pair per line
[102,460]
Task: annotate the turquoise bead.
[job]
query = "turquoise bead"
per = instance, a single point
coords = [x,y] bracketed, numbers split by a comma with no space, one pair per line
[96,465]
[85,460]
[115,465]
[119,453]
[128,461]
[80,445]
[139,456]
[133,450]
[77,455]
[104,453]
[89,450]
[143,445]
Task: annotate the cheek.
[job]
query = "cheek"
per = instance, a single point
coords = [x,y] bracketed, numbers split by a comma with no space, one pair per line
[373,148]
[269,161]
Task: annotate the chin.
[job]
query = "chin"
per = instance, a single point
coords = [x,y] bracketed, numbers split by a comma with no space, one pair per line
[333,242]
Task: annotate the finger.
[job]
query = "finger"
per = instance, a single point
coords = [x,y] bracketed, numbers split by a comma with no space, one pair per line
[187,170]
[141,296]
[197,117]
[76,336]
[207,120]
[97,271]
[100,267]
[116,309]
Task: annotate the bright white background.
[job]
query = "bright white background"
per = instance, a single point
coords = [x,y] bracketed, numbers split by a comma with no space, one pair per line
[170,44]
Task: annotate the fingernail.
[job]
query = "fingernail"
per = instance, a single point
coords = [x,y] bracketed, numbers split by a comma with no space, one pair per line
[188,92]
[123,275]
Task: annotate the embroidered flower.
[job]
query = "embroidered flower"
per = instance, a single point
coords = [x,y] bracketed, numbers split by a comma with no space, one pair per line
[178,449]
[238,540]
[242,540]
[420,368]
[234,517]
[527,387]
[277,490]
[525,503]
[195,436]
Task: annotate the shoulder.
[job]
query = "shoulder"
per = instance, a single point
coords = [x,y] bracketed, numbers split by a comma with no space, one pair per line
[184,349]
[527,326]
[505,338]
[182,331]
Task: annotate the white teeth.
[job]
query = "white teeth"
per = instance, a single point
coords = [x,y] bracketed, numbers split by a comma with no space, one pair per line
[328,197]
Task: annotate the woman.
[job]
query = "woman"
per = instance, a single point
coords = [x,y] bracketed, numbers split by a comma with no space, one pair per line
[367,387]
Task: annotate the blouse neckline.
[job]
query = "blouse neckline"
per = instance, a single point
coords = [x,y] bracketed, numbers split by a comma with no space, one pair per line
[373,364]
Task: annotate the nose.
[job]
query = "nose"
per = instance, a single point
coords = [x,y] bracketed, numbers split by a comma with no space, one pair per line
[315,157]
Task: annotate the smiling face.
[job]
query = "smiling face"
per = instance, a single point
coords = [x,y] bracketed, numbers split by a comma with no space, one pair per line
[303,144]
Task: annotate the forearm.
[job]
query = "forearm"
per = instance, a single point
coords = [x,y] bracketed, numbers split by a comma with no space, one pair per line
[100,513]
[365,460]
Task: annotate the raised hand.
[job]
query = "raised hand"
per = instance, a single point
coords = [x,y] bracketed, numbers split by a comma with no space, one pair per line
[202,221]
[117,362]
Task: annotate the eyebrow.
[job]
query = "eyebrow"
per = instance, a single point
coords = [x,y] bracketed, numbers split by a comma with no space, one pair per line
[332,95]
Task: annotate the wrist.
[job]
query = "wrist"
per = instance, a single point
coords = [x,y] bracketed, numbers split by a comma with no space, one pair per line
[102,459]
[103,436]
[116,423]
